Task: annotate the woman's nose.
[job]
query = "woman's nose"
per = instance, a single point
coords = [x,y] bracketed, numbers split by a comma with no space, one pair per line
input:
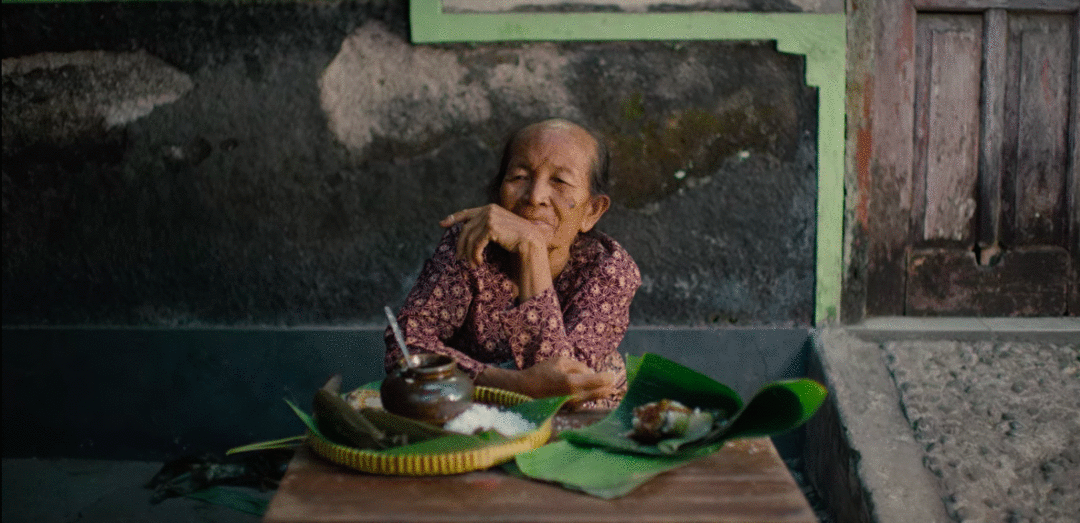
[538,192]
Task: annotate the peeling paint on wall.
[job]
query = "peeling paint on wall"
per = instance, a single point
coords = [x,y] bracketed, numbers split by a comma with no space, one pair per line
[379,85]
[64,97]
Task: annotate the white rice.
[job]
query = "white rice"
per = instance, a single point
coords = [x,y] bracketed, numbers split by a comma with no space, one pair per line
[479,418]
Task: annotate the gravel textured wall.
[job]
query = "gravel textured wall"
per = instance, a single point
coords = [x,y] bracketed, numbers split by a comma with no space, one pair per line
[999,424]
[287,163]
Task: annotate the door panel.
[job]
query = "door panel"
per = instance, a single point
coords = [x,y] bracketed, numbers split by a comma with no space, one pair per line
[1037,110]
[991,175]
[948,52]
[1029,282]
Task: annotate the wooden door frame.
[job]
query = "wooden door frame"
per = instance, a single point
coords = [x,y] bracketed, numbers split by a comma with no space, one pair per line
[880,148]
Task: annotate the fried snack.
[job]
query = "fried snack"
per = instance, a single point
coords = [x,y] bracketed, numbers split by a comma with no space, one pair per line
[664,419]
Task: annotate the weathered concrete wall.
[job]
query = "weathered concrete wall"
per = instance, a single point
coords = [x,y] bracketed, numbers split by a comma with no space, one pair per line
[287,163]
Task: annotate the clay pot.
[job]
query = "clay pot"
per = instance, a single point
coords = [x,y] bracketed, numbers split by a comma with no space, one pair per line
[433,390]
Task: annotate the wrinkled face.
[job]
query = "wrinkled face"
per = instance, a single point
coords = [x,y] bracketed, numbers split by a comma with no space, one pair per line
[548,181]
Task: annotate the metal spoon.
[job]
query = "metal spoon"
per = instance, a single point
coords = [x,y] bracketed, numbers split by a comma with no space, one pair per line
[398,336]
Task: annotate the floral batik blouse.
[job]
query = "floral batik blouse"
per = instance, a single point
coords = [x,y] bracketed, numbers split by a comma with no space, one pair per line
[471,314]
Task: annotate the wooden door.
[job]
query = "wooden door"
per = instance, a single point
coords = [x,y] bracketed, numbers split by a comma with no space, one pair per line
[974,184]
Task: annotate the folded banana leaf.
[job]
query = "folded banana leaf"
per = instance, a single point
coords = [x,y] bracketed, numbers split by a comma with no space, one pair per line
[344,425]
[603,460]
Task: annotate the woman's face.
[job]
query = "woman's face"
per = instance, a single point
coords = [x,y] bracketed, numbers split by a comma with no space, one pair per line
[548,181]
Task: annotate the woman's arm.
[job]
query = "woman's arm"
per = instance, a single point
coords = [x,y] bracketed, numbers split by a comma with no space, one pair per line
[553,377]
[577,357]
[589,327]
[435,309]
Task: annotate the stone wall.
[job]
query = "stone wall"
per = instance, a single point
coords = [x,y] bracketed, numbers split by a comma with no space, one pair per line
[287,163]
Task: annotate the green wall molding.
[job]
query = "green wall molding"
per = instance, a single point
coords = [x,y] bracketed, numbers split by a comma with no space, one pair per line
[821,38]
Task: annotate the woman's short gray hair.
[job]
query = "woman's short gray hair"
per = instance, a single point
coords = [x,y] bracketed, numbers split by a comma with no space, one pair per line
[600,174]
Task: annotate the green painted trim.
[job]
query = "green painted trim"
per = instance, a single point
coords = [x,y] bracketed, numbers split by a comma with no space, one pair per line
[821,38]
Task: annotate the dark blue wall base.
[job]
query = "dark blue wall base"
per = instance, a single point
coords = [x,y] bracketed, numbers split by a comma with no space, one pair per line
[158,393]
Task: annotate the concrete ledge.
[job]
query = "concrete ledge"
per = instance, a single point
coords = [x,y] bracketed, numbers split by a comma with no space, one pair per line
[860,452]
[903,328]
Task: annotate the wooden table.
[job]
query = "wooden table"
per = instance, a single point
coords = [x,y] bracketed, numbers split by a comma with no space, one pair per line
[746,481]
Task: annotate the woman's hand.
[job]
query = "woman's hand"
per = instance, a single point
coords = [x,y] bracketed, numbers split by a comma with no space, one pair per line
[560,376]
[493,223]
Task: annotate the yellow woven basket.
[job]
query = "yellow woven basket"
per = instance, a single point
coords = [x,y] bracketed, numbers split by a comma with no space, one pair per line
[379,462]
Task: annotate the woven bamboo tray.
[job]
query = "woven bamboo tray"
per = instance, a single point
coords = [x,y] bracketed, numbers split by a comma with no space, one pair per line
[380,462]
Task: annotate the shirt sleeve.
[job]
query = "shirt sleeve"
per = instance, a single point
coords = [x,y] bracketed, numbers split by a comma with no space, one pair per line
[435,308]
[588,328]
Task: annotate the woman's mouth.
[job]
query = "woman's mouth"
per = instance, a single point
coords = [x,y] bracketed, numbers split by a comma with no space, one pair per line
[538,218]
[542,224]
[540,221]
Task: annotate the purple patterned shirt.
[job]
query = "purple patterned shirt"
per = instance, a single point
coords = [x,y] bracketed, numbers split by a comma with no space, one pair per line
[471,314]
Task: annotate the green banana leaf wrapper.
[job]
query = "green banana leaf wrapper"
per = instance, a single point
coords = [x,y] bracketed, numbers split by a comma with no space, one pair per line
[604,461]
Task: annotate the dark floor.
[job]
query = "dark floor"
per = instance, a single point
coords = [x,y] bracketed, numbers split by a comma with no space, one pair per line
[102,491]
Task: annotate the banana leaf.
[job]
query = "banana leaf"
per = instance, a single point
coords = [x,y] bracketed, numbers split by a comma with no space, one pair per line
[595,471]
[283,443]
[656,378]
[778,407]
[604,461]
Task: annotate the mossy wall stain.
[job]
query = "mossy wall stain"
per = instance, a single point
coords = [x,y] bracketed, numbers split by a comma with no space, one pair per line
[660,157]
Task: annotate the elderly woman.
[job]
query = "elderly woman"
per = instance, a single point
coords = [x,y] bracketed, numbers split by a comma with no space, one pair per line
[523,292]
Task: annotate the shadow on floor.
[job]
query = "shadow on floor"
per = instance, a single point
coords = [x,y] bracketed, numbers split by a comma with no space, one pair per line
[103,491]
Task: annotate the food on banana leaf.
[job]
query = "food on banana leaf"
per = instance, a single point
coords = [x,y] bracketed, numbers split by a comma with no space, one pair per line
[341,424]
[365,428]
[664,419]
[402,430]
[479,418]
[360,398]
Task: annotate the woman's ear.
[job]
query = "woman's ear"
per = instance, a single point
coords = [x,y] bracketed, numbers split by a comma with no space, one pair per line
[598,205]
